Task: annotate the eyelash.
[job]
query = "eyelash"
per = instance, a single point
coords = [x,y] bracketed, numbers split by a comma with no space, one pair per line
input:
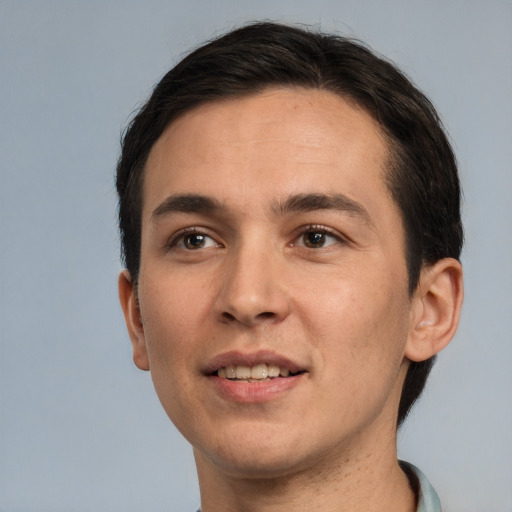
[182,234]
[315,228]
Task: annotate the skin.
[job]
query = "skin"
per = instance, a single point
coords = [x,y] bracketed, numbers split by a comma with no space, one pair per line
[236,272]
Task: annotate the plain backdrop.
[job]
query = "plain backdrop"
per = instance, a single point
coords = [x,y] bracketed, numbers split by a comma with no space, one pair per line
[80,428]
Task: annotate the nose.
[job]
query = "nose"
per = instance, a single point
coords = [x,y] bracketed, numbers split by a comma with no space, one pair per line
[252,290]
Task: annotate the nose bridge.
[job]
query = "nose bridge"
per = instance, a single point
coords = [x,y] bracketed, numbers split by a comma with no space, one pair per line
[253,291]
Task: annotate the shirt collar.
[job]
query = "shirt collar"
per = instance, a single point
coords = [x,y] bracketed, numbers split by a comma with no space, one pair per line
[428,500]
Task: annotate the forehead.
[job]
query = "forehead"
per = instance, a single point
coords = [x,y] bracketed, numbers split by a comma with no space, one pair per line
[269,145]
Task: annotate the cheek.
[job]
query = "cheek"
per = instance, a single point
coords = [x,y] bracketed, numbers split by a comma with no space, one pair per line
[173,312]
[170,328]
[361,326]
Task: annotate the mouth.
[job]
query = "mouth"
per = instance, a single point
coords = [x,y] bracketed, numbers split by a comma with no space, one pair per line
[258,377]
[256,367]
[260,372]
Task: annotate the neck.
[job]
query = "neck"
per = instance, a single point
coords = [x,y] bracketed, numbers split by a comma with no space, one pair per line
[369,481]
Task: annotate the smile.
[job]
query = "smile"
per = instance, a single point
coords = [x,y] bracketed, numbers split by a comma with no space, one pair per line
[257,373]
[256,377]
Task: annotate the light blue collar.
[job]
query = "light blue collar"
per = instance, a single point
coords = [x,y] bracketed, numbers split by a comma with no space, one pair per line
[428,500]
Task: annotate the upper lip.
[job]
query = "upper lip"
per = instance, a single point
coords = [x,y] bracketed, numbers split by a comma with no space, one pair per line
[236,358]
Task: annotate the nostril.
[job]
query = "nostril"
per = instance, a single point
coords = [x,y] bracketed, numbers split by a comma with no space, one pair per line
[265,315]
[228,316]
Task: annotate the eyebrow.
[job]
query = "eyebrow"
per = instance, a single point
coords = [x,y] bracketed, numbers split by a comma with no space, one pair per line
[313,202]
[186,203]
[195,203]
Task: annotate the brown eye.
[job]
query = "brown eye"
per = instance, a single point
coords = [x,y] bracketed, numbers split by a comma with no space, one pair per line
[317,238]
[191,239]
[194,241]
[314,239]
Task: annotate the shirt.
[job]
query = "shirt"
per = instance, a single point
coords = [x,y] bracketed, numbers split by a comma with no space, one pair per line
[428,500]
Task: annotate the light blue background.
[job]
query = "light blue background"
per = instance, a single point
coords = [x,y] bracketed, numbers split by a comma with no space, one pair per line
[80,427]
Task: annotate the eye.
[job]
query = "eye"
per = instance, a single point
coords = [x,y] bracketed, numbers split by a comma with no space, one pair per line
[316,238]
[192,241]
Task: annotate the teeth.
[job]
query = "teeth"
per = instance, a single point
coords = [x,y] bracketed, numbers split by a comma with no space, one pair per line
[261,371]
[243,372]
[273,370]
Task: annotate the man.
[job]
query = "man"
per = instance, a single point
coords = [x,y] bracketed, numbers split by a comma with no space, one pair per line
[290,220]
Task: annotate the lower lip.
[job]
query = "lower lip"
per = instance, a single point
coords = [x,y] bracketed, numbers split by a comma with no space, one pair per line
[254,392]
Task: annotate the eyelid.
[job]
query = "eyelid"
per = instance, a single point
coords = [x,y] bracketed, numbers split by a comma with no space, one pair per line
[179,235]
[343,239]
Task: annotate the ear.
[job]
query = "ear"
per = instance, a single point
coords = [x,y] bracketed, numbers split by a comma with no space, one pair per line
[130,306]
[436,310]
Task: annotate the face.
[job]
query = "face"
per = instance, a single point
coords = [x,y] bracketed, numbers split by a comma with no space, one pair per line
[272,293]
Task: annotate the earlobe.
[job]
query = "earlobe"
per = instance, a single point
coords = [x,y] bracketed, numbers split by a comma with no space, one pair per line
[131,311]
[437,305]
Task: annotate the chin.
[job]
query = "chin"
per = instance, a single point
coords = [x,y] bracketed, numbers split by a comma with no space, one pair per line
[260,456]
[257,466]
